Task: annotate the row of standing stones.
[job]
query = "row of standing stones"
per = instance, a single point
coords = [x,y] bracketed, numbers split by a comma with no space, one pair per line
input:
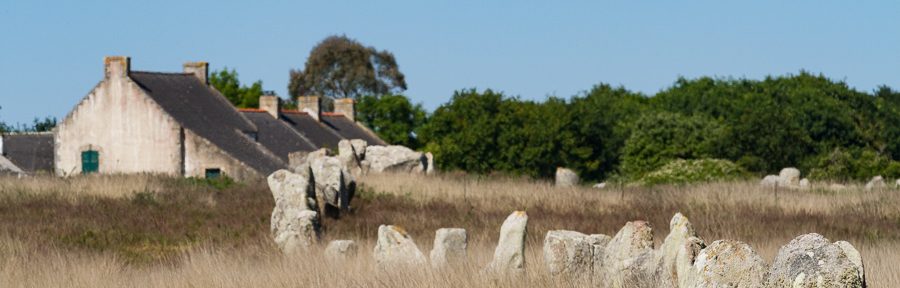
[627,259]
[786,178]
[790,178]
[321,183]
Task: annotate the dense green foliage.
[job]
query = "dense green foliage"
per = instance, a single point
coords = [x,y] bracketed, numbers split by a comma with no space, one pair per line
[393,117]
[819,125]
[341,67]
[680,171]
[241,96]
[38,125]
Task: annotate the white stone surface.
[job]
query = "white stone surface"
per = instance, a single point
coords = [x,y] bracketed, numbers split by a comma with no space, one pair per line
[394,159]
[565,177]
[395,249]
[509,256]
[449,248]
[810,260]
[728,263]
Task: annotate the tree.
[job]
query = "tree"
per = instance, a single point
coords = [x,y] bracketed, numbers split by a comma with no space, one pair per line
[603,120]
[662,137]
[340,67]
[3,126]
[226,82]
[463,133]
[393,117]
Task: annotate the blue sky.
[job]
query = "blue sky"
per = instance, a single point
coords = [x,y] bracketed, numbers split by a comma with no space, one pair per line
[52,51]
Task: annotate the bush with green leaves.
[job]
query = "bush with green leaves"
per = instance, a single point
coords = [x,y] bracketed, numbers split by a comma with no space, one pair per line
[680,171]
[659,138]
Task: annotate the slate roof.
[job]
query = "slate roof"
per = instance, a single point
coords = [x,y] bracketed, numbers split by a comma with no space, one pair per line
[317,133]
[276,135]
[207,113]
[31,152]
[349,129]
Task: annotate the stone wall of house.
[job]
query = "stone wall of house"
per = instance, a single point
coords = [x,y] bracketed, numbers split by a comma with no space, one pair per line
[200,155]
[129,130]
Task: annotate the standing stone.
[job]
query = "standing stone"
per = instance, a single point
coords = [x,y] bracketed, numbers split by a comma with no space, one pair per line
[569,254]
[341,251]
[335,185]
[509,257]
[812,261]
[292,190]
[296,230]
[395,249]
[294,225]
[804,183]
[728,263]
[770,181]
[676,256]
[877,183]
[626,258]
[395,159]
[359,147]
[565,177]
[429,159]
[790,177]
[449,248]
[897,183]
[346,155]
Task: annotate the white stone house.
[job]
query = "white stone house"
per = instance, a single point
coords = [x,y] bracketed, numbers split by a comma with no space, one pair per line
[177,124]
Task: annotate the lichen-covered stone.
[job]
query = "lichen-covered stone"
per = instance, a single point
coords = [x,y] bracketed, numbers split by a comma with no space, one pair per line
[395,158]
[676,255]
[449,248]
[296,230]
[569,254]
[509,256]
[294,224]
[396,249]
[627,257]
[728,263]
[810,260]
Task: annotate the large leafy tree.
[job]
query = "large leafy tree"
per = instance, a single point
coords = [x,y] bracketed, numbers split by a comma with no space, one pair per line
[463,133]
[241,96]
[340,67]
[393,117]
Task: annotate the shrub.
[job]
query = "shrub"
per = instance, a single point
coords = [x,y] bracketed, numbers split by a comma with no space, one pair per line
[682,171]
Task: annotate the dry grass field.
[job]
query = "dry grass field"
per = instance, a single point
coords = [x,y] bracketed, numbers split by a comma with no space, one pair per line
[146,231]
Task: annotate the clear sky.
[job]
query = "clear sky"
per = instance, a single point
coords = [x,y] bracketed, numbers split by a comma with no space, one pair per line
[51,53]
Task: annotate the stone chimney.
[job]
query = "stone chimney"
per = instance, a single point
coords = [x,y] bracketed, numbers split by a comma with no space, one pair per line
[199,69]
[312,105]
[346,106]
[271,104]
[116,66]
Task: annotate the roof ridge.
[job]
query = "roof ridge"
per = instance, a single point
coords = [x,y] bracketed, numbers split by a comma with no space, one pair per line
[160,73]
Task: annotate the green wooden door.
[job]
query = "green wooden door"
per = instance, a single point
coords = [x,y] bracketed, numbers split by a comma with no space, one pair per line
[90,162]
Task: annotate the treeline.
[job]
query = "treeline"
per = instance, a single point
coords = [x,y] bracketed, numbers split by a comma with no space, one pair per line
[821,126]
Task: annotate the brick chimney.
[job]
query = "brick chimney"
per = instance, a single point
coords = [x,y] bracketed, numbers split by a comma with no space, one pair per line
[346,106]
[199,69]
[312,105]
[116,66]
[271,104]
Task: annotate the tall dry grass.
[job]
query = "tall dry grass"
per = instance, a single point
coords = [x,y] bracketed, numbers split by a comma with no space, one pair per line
[229,246]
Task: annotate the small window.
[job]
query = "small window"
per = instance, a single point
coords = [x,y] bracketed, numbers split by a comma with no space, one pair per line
[90,162]
[213,173]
